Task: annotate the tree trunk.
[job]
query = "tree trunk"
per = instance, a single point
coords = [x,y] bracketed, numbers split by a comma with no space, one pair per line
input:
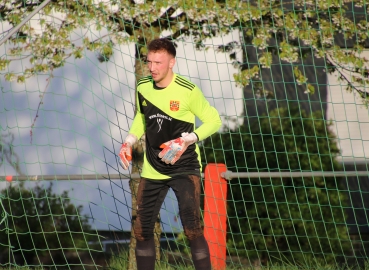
[137,161]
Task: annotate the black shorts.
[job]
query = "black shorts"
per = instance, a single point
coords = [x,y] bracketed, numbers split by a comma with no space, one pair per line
[150,197]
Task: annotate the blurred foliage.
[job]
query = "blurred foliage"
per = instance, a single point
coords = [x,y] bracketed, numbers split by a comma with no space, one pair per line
[7,153]
[41,227]
[333,30]
[283,219]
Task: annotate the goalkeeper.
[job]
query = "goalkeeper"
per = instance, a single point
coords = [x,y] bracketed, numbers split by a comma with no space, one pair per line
[166,108]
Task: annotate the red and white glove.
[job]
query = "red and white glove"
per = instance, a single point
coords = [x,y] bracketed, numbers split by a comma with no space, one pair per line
[173,150]
[125,153]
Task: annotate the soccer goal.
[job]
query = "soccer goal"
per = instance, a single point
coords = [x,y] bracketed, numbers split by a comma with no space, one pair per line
[288,79]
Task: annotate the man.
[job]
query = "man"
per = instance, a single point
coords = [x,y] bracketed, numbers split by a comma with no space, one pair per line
[166,108]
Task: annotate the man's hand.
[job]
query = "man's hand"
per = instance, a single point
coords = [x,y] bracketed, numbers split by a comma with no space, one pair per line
[173,150]
[125,153]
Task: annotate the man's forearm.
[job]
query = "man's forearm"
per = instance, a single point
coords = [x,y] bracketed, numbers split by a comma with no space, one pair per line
[138,126]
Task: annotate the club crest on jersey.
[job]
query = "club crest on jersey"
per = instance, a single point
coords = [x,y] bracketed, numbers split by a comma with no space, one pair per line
[174,105]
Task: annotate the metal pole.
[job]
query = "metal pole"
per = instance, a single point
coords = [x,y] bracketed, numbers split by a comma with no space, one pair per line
[50,177]
[16,28]
[229,175]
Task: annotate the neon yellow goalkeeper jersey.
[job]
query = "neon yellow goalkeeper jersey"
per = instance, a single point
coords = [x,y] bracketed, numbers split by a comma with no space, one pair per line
[163,115]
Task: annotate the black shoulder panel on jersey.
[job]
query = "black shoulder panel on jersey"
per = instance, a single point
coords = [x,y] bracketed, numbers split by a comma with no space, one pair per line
[144,80]
[185,83]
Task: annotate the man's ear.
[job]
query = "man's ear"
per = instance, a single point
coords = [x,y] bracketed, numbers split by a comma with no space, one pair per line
[172,62]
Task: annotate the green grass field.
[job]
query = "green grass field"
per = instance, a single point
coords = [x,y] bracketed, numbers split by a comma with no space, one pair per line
[120,262]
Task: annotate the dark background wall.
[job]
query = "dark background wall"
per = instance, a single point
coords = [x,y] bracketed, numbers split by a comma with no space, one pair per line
[280,86]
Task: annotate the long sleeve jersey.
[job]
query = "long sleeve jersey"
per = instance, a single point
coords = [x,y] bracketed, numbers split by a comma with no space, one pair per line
[163,115]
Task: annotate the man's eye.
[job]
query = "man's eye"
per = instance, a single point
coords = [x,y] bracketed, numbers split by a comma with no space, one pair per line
[150,62]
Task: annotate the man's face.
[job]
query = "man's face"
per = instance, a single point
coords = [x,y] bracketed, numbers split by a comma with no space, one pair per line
[160,64]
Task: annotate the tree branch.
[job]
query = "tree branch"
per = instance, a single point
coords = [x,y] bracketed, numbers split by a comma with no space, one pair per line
[40,103]
[363,94]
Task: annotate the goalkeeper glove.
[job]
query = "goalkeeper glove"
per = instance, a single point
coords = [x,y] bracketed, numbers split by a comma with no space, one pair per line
[173,150]
[125,153]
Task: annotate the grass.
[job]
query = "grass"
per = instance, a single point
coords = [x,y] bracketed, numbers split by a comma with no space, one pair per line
[21,268]
[120,262]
